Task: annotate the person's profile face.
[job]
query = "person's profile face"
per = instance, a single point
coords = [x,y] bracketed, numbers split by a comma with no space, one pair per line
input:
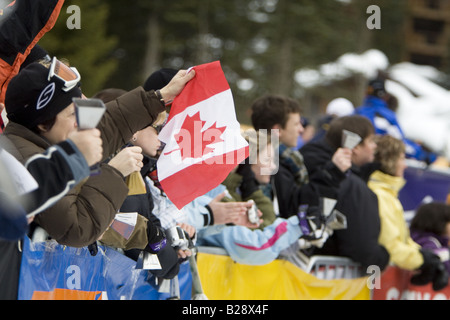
[147,139]
[265,165]
[65,124]
[292,130]
[364,152]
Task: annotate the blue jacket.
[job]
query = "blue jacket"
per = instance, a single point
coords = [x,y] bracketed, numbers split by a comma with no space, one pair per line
[245,246]
[385,122]
[56,171]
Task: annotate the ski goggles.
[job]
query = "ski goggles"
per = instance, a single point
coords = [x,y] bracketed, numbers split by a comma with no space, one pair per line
[68,75]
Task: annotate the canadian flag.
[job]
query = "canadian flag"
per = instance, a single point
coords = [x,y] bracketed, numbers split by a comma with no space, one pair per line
[202,137]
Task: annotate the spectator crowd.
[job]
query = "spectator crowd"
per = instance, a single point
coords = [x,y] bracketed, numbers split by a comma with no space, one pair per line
[85,178]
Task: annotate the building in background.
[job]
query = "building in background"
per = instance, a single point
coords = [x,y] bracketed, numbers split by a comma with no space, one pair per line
[428,33]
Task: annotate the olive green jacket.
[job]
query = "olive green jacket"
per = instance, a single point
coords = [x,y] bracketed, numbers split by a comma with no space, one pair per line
[233,181]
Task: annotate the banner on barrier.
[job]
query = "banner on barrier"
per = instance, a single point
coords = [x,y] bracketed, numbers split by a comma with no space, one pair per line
[395,285]
[223,279]
[421,184]
[50,271]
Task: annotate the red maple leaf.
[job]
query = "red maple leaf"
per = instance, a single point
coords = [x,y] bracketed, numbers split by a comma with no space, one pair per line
[192,141]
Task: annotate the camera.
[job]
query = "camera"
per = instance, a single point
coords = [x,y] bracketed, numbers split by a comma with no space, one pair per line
[252,213]
[336,221]
[179,238]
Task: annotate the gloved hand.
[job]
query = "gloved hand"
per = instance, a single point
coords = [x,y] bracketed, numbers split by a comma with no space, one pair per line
[248,184]
[311,222]
[324,237]
[440,280]
[432,270]
[318,243]
[156,238]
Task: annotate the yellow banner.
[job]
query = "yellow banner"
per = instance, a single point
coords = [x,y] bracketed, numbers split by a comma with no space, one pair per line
[223,279]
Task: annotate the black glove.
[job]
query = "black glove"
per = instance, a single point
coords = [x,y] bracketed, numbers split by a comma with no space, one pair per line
[310,219]
[156,238]
[168,259]
[432,270]
[248,184]
[440,280]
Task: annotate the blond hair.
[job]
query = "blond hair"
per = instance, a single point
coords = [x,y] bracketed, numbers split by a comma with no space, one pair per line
[257,140]
[389,150]
[160,119]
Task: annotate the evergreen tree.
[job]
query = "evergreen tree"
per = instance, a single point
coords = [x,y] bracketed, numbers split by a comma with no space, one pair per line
[260,43]
[88,48]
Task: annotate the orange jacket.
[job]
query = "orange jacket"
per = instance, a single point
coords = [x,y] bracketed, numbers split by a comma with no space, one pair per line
[19,33]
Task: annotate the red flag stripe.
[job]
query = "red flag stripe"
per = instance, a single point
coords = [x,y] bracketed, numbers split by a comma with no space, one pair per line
[204,87]
[178,187]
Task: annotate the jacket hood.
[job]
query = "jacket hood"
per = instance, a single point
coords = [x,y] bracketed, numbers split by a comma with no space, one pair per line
[388,182]
[316,154]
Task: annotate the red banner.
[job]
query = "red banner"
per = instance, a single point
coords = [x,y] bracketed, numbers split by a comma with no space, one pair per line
[395,285]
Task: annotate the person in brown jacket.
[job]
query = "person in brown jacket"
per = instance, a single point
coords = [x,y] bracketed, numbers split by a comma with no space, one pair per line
[41,113]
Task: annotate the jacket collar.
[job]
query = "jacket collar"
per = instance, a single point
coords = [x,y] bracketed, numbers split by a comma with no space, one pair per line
[26,141]
[395,184]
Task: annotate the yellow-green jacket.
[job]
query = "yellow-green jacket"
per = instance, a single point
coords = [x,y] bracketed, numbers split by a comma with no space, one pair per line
[394,235]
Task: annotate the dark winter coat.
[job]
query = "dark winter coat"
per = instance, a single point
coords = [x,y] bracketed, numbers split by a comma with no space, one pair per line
[324,182]
[83,215]
[360,206]
[143,204]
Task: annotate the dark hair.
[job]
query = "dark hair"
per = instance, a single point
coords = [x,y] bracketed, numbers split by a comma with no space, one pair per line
[431,217]
[354,123]
[47,124]
[271,110]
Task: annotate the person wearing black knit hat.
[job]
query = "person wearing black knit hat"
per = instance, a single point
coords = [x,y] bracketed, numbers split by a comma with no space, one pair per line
[159,79]
[35,96]
[41,113]
[36,54]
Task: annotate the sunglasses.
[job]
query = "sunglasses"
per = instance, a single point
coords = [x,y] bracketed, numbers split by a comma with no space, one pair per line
[69,75]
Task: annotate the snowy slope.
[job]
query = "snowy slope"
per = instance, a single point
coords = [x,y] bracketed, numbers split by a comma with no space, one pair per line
[424,106]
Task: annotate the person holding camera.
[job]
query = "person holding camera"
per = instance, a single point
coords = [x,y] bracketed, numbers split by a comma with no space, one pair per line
[247,180]
[359,241]
[41,112]
[60,168]
[205,210]
[40,109]
[293,185]
[404,252]
[259,241]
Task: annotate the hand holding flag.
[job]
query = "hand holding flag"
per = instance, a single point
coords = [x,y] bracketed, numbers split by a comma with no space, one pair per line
[176,85]
[202,137]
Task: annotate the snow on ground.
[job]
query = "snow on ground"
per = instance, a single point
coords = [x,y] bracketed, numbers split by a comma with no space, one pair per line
[424,106]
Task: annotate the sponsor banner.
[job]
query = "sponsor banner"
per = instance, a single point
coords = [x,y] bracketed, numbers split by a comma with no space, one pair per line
[50,271]
[224,279]
[395,285]
[423,184]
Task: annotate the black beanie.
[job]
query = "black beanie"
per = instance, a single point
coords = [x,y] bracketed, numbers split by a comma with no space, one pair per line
[31,99]
[159,79]
[36,54]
